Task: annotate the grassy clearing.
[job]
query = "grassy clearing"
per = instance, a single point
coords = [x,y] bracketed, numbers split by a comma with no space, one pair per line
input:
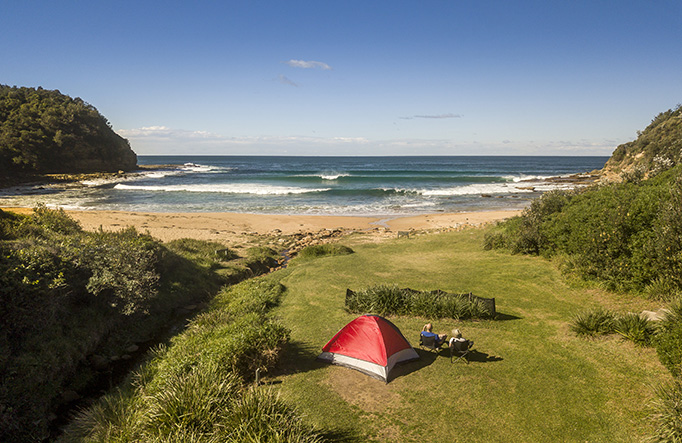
[531,378]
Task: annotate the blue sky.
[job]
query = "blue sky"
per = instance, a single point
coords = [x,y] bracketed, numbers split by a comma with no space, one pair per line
[437,77]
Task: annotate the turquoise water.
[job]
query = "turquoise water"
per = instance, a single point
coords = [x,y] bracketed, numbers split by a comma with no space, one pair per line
[317,185]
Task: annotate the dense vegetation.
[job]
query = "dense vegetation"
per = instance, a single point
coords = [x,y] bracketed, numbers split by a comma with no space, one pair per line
[627,236]
[322,250]
[391,300]
[72,301]
[657,148]
[194,389]
[43,131]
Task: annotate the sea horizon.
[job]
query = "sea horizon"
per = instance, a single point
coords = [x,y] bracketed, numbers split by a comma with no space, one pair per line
[316,185]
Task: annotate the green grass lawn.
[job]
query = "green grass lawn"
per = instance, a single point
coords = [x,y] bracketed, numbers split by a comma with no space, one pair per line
[530,379]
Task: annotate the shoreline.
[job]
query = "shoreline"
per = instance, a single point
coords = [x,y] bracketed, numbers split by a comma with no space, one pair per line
[230,227]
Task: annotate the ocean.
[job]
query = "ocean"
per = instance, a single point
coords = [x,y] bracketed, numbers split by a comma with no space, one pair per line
[315,185]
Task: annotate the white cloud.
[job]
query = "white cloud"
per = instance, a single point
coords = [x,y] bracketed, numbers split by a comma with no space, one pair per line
[433,116]
[162,140]
[308,64]
[283,79]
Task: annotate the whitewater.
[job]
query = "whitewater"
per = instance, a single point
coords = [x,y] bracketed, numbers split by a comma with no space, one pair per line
[315,185]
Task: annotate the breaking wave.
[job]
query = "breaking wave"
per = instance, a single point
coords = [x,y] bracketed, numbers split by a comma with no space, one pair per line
[256,189]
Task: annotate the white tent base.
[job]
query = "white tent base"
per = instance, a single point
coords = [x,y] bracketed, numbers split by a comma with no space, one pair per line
[369,368]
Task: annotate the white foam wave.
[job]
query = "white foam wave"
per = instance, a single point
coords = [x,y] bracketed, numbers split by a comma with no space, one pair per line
[195,167]
[97,182]
[520,187]
[327,175]
[222,188]
[160,174]
[333,176]
[129,177]
[526,178]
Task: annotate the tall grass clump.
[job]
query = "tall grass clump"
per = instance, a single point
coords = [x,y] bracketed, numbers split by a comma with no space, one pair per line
[315,251]
[667,412]
[196,388]
[634,327]
[209,254]
[380,299]
[391,300]
[594,322]
[668,341]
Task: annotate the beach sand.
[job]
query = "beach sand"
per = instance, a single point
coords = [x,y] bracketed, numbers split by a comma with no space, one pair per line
[235,228]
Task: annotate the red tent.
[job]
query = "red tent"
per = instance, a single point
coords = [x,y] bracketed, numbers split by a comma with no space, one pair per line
[371,344]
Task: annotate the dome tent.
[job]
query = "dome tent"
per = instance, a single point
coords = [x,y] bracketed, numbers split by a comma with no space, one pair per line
[370,344]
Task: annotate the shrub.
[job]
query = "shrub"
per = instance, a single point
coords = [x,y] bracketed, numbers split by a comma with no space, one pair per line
[323,250]
[207,253]
[8,223]
[668,340]
[55,220]
[593,322]
[202,403]
[193,390]
[194,401]
[634,327]
[381,300]
[667,412]
[65,294]
[663,289]
[249,296]
[261,415]
[124,269]
[625,235]
[391,300]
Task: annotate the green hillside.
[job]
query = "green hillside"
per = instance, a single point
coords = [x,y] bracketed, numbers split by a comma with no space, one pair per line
[43,131]
[657,148]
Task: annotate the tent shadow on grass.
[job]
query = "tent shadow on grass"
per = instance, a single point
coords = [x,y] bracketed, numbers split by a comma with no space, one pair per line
[297,359]
[425,359]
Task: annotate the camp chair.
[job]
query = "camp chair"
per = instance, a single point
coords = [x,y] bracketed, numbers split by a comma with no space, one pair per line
[460,349]
[428,342]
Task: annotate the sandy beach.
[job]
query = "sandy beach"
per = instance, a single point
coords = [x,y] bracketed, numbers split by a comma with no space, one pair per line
[235,228]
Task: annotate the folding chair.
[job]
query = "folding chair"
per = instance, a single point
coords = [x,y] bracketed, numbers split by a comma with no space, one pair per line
[460,349]
[428,342]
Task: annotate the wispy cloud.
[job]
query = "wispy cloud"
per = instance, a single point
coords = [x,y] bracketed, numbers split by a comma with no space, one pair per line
[162,140]
[308,64]
[283,79]
[434,116]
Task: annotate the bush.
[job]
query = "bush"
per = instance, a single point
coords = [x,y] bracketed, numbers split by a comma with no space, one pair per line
[634,327]
[54,220]
[391,300]
[124,269]
[526,234]
[667,412]
[323,250]
[668,340]
[593,322]
[207,253]
[381,300]
[625,235]
[66,294]
[663,289]
[194,389]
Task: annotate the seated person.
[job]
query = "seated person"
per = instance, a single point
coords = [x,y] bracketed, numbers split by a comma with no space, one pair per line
[457,341]
[427,331]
